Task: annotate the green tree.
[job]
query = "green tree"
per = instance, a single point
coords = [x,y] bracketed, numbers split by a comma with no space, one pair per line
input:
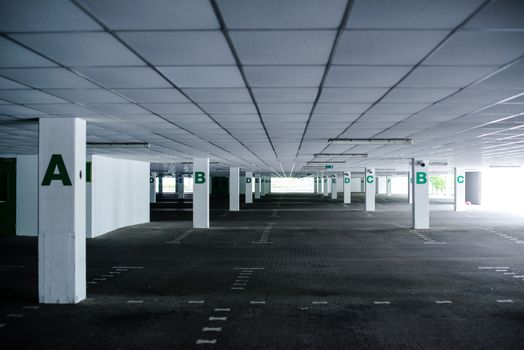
[438,183]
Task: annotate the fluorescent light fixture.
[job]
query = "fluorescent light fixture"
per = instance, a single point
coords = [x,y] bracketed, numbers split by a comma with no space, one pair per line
[504,166]
[371,141]
[349,155]
[438,163]
[118,144]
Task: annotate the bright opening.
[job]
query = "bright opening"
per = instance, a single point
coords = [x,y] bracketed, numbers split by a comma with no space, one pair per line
[503,189]
[292,185]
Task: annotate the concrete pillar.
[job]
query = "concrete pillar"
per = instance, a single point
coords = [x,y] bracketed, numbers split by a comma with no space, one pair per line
[234,189]
[62,211]
[460,189]
[410,188]
[201,192]
[269,185]
[370,188]
[319,184]
[388,186]
[152,187]
[325,190]
[420,193]
[257,186]
[180,186]
[249,187]
[347,187]
[334,187]
[315,185]
[160,183]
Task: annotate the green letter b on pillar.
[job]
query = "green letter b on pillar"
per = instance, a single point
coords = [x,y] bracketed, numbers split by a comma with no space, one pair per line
[421,178]
[200,177]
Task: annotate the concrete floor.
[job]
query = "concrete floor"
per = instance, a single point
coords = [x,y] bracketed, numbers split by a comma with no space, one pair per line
[289,272]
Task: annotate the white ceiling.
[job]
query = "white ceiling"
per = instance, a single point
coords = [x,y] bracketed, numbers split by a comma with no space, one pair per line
[264,84]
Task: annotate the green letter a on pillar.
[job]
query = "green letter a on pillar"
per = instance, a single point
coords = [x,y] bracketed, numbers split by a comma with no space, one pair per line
[56,162]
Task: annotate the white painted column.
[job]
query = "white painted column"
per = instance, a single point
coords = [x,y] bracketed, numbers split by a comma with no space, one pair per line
[234,189]
[262,186]
[62,211]
[319,184]
[420,193]
[152,187]
[201,192]
[388,186]
[257,186]
[249,187]
[325,191]
[460,189]
[334,187]
[180,186]
[410,188]
[370,188]
[347,187]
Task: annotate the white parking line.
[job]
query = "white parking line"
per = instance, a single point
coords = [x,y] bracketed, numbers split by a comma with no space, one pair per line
[319,302]
[205,341]
[443,302]
[381,302]
[224,309]
[2,325]
[237,288]
[135,301]
[14,315]
[195,302]
[129,267]
[214,318]
[504,301]
[257,302]
[31,307]
[212,329]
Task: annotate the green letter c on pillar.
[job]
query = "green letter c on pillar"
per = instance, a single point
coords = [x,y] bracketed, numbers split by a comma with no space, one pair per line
[56,162]
[460,179]
[370,179]
[422,178]
[200,177]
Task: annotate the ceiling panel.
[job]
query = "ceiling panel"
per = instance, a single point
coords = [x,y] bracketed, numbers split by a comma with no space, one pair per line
[284,108]
[395,108]
[181,47]
[499,14]
[511,77]
[154,14]
[43,15]
[29,96]
[386,47]
[284,76]
[417,95]
[87,95]
[229,108]
[14,55]
[365,76]
[285,94]
[172,108]
[81,49]
[153,95]
[125,77]
[448,77]
[283,47]
[205,77]
[341,108]
[282,14]
[47,78]
[351,95]
[219,95]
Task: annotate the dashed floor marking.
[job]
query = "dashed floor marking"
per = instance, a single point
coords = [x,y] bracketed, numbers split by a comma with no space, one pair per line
[129,267]
[381,302]
[206,341]
[257,302]
[31,307]
[504,301]
[237,288]
[215,318]
[224,309]
[212,329]
[196,302]
[2,325]
[91,282]
[443,302]
[99,279]
[323,302]
[249,268]
[14,315]
[108,275]
[135,301]
[518,276]
[509,273]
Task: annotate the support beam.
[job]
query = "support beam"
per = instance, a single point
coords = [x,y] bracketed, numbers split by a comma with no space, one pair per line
[347,187]
[180,186]
[460,189]
[388,186]
[152,187]
[249,187]
[201,192]
[370,188]
[62,211]
[234,189]
[410,188]
[334,187]
[420,193]
[257,186]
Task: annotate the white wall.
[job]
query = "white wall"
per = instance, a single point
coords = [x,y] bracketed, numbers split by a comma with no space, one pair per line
[119,194]
[26,194]
[356,184]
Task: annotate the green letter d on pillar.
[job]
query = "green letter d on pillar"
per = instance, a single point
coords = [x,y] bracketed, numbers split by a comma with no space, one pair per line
[422,178]
[347,180]
[56,162]
[200,177]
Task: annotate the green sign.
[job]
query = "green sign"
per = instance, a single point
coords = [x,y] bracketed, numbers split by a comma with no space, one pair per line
[347,180]
[56,163]
[421,178]
[329,166]
[370,179]
[460,179]
[200,177]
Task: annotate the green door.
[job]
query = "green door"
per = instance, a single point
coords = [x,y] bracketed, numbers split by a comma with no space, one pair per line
[7,196]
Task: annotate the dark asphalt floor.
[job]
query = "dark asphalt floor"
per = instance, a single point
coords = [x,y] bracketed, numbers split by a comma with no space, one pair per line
[288,272]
